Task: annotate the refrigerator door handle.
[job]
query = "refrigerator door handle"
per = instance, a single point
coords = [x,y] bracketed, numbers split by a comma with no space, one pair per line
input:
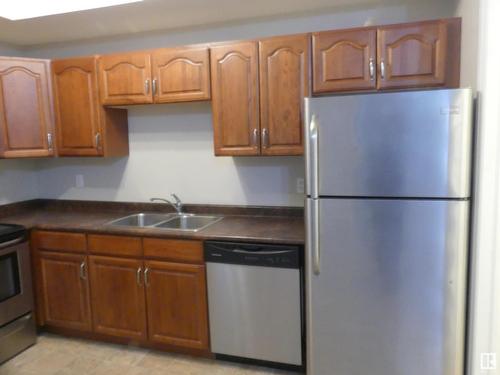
[313,234]
[313,158]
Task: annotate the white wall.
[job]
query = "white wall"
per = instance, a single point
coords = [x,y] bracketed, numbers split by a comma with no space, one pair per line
[18,178]
[171,145]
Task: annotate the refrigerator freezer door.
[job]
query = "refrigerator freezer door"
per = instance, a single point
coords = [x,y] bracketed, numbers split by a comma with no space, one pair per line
[407,144]
[390,295]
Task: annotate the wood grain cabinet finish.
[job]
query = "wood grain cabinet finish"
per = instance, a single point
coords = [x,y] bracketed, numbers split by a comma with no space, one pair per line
[118,298]
[63,291]
[181,74]
[26,118]
[235,100]
[344,60]
[284,83]
[177,304]
[125,78]
[422,54]
[84,127]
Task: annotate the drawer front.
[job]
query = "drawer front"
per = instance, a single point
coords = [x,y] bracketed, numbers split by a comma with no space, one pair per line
[174,250]
[115,245]
[61,241]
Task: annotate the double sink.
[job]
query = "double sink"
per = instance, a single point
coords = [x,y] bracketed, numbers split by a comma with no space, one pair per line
[177,221]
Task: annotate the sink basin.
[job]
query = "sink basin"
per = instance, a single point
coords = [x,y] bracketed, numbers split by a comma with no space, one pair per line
[141,220]
[189,222]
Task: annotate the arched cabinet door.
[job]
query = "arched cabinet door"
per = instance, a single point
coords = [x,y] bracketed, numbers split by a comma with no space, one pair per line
[422,54]
[181,74]
[125,79]
[77,106]
[284,83]
[344,60]
[26,118]
[235,100]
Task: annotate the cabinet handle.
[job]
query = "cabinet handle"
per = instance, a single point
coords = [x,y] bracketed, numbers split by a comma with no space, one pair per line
[256,137]
[146,86]
[382,69]
[371,66]
[146,280]
[50,143]
[98,140]
[83,273]
[265,138]
[138,276]
[154,86]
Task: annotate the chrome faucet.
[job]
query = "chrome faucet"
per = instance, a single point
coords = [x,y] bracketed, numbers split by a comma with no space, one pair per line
[177,204]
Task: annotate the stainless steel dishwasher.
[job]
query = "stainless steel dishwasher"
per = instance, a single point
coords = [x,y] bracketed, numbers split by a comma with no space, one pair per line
[255,295]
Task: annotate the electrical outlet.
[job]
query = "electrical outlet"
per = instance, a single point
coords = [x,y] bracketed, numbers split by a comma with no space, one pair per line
[79,181]
[300,186]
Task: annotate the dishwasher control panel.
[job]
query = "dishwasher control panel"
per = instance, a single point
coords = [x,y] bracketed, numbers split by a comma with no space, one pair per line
[264,255]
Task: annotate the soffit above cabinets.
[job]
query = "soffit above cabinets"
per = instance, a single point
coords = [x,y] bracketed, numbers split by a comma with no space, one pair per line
[151,15]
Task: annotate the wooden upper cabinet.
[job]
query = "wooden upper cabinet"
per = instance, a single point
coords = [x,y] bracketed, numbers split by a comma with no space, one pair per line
[84,127]
[235,103]
[63,291]
[177,304]
[344,60]
[76,103]
[284,83]
[422,54]
[118,298]
[26,118]
[181,74]
[125,78]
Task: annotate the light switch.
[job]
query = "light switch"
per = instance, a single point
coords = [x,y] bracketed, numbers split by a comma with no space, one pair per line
[79,181]
[300,186]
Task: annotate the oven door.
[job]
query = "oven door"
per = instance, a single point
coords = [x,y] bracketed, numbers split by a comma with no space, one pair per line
[16,295]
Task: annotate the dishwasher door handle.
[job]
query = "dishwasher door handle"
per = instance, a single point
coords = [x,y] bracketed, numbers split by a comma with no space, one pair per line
[240,251]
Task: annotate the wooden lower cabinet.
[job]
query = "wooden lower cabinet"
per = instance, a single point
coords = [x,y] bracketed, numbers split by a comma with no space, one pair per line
[118,299]
[63,291]
[177,304]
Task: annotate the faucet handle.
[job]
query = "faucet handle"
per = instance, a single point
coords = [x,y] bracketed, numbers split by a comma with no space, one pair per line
[176,198]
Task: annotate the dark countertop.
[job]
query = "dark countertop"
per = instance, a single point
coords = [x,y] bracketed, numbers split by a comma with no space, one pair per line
[260,225]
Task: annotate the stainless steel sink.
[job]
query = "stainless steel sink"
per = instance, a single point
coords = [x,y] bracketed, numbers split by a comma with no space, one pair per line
[141,220]
[188,222]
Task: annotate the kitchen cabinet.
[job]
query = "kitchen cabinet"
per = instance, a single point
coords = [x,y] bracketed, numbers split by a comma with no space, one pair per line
[26,124]
[118,298]
[235,101]
[64,291]
[345,60]
[422,54]
[284,83]
[125,78]
[403,56]
[177,304]
[181,74]
[84,127]
[159,76]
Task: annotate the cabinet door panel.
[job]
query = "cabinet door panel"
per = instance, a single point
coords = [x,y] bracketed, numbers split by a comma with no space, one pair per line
[284,82]
[344,60]
[125,79]
[235,99]
[26,113]
[118,300]
[76,106]
[65,291]
[423,54]
[181,74]
[177,304]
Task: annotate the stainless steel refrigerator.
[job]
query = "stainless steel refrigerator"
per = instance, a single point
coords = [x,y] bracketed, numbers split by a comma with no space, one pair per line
[388,200]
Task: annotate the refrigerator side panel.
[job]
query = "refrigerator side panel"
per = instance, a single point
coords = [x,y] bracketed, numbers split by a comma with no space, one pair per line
[409,144]
[390,295]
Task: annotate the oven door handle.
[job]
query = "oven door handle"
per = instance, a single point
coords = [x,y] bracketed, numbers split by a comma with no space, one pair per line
[11,243]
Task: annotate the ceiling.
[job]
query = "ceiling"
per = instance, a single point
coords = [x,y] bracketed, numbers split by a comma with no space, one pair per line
[153,15]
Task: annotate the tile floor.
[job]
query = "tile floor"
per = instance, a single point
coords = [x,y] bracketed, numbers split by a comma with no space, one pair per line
[56,355]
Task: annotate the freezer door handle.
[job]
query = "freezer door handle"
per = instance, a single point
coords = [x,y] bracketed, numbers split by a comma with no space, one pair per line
[313,157]
[313,234]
